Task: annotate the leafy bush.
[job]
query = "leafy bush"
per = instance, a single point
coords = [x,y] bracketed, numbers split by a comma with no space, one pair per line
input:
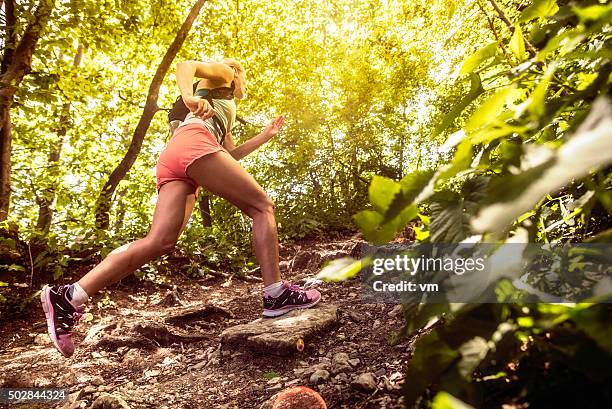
[531,163]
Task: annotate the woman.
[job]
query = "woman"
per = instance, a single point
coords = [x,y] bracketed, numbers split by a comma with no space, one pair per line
[193,157]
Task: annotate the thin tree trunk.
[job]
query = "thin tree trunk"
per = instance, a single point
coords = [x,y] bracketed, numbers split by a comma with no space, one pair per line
[45,211]
[104,200]
[18,65]
[204,205]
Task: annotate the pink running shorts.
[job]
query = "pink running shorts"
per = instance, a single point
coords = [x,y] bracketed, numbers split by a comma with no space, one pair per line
[188,143]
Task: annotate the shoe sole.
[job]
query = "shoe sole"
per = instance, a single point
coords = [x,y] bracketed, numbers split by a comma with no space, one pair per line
[48,309]
[285,310]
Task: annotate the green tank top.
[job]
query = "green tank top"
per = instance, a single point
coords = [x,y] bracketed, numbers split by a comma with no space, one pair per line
[225,110]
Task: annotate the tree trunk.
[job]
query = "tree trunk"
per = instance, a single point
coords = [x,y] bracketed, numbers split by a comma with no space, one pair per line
[104,200]
[18,65]
[204,205]
[45,201]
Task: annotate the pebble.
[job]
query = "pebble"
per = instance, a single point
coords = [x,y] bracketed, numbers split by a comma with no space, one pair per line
[97,380]
[319,376]
[380,372]
[365,382]
[396,311]
[342,377]
[42,339]
[354,361]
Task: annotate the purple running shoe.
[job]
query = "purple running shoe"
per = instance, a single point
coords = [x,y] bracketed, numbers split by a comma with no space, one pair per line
[62,316]
[293,297]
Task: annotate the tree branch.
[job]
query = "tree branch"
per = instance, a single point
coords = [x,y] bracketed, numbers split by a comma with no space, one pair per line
[504,18]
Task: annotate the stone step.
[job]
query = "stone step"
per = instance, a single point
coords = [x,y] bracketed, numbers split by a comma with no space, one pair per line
[279,336]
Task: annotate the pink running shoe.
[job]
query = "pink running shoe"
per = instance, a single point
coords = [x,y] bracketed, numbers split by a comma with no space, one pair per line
[62,316]
[293,297]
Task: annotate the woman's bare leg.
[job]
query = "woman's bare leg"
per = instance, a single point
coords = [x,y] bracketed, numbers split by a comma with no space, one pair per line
[222,175]
[174,205]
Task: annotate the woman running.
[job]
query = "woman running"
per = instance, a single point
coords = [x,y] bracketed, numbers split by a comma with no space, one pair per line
[199,153]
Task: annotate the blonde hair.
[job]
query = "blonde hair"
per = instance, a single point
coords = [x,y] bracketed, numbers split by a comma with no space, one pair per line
[239,77]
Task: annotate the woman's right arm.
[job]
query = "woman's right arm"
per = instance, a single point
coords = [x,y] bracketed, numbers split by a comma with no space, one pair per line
[187,70]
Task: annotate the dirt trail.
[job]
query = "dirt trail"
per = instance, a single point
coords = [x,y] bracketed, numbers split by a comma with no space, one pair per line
[140,348]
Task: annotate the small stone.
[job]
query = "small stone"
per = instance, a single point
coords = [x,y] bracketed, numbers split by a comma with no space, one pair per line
[376,324]
[380,372]
[42,339]
[342,378]
[340,363]
[365,382]
[340,358]
[89,389]
[353,316]
[354,362]
[97,380]
[108,401]
[319,376]
[276,387]
[293,382]
[396,311]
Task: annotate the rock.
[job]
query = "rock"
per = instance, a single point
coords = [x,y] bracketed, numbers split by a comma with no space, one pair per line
[396,311]
[275,387]
[97,380]
[342,378]
[365,382]
[353,316]
[354,361]
[279,335]
[380,372]
[89,389]
[340,363]
[319,376]
[341,358]
[108,401]
[42,339]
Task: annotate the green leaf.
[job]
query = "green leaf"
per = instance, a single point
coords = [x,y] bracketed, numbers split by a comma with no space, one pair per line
[488,111]
[431,358]
[451,213]
[517,43]
[342,269]
[373,228]
[476,90]
[594,12]
[461,161]
[444,400]
[381,192]
[536,104]
[411,186]
[481,55]
[539,8]
[472,353]
[588,149]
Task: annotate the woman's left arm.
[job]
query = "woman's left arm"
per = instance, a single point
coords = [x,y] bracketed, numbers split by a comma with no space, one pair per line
[242,150]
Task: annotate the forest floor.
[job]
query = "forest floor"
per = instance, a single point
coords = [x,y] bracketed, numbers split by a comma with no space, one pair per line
[352,364]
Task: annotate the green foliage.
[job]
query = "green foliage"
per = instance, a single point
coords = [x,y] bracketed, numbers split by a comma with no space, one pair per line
[481,347]
[342,269]
[528,159]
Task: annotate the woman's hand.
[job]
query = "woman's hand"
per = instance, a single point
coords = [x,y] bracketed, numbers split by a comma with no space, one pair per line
[199,106]
[274,127]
